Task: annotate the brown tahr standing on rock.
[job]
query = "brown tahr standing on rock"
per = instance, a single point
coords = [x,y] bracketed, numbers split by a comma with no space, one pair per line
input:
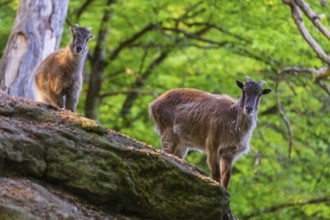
[58,78]
[218,124]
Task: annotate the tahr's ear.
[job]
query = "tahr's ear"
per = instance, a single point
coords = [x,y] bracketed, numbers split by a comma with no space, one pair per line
[71,29]
[90,37]
[266,91]
[240,84]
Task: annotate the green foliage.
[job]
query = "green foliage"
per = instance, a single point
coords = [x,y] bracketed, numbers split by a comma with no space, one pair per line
[7,13]
[258,39]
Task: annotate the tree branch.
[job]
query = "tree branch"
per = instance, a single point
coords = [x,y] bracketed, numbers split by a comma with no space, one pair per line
[113,74]
[130,91]
[130,99]
[241,51]
[196,36]
[143,59]
[216,27]
[190,9]
[297,17]
[286,205]
[262,57]
[82,8]
[324,87]
[130,40]
[282,113]
[320,75]
[315,18]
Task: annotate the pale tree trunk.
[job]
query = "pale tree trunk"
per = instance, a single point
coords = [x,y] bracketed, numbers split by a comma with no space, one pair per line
[36,32]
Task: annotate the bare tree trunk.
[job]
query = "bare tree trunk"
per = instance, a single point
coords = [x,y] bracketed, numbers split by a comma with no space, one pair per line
[36,32]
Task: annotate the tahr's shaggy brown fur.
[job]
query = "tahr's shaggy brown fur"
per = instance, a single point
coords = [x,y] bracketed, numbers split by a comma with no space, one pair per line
[217,124]
[58,78]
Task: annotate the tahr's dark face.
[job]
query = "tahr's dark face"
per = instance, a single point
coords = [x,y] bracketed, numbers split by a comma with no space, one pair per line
[80,38]
[251,94]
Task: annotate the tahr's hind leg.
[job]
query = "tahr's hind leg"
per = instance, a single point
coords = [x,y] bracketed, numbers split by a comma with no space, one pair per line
[170,143]
[57,100]
[40,95]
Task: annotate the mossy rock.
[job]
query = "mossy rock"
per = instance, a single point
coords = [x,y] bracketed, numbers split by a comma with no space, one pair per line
[102,167]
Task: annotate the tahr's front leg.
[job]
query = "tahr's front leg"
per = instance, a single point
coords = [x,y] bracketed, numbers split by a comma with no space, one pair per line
[225,169]
[213,163]
[71,102]
[72,98]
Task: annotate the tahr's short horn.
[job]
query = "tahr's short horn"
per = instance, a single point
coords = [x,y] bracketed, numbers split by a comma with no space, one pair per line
[248,79]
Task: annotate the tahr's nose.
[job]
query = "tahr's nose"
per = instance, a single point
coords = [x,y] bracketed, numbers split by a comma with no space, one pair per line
[78,49]
[248,109]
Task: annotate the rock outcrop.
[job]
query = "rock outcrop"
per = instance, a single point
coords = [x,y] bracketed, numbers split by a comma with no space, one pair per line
[55,164]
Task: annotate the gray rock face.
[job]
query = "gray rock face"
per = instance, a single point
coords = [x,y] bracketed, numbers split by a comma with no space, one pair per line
[106,170]
[22,199]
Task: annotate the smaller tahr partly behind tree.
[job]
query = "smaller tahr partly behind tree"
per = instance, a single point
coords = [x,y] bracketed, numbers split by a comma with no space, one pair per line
[217,124]
[58,78]
[37,32]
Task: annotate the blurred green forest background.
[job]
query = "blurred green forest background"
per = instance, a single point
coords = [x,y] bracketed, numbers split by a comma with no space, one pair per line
[151,46]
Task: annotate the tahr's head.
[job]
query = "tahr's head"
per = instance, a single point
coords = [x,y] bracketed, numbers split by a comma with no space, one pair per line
[80,38]
[251,94]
